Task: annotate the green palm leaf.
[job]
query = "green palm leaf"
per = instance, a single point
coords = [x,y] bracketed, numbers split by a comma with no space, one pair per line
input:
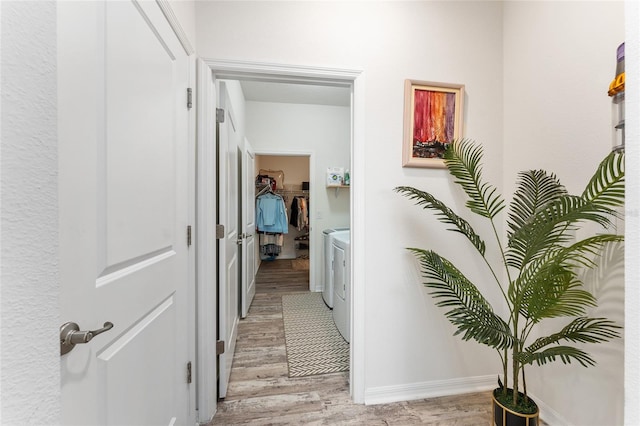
[444,214]
[531,234]
[550,227]
[463,161]
[606,187]
[566,354]
[534,190]
[469,311]
[580,330]
[548,287]
[552,296]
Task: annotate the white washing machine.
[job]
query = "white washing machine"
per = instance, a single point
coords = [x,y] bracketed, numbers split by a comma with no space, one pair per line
[327,284]
[341,255]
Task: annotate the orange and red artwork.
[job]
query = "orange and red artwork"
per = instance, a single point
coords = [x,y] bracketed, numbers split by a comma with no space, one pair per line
[432,120]
[433,117]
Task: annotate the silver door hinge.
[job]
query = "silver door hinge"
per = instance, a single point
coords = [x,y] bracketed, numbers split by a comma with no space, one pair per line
[189,98]
[219,232]
[219,347]
[189,236]
[219,115]
[189,372]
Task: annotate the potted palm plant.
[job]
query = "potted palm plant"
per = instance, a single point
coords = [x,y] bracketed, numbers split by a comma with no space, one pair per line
[538,277]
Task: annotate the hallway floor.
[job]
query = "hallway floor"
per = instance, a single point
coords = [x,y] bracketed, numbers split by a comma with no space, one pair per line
[261,393]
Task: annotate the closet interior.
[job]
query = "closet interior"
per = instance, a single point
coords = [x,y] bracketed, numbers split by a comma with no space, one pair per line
[282,208]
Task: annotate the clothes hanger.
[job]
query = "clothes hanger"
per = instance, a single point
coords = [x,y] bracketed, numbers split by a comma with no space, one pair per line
[265,190]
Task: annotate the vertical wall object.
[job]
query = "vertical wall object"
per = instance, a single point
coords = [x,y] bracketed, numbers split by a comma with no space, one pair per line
[616,91]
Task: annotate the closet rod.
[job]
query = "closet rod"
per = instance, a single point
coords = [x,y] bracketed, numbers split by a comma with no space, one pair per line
[293,192]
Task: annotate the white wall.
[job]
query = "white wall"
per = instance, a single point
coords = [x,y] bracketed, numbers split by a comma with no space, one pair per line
[30,319]
[408,342]
[296,169]
[321,130]
[632,221]
[557,116]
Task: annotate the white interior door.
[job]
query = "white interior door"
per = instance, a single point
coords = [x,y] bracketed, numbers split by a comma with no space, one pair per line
[249,222]
[123,153]
[228,291]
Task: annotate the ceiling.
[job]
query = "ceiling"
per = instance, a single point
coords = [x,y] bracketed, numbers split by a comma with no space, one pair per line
[296,93]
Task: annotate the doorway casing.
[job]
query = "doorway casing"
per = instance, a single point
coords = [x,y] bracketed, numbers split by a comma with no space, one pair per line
[238,70]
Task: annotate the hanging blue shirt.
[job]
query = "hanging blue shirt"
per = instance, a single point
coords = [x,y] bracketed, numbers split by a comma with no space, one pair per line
[271,214]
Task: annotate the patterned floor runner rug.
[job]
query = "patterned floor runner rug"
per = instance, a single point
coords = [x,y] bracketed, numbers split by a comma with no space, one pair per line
[314,344]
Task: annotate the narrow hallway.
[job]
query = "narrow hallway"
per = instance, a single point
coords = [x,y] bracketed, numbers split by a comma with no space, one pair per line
[261,392]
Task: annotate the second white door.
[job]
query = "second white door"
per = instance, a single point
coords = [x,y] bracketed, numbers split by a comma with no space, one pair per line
[249,223]
[228,285]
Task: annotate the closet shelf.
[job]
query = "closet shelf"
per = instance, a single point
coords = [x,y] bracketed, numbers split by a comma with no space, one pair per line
[338,187]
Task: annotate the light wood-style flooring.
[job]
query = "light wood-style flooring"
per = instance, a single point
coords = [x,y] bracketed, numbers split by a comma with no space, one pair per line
[261,393]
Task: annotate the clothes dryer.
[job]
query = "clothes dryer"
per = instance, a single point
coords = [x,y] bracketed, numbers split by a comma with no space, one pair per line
[327,285]
[341,256]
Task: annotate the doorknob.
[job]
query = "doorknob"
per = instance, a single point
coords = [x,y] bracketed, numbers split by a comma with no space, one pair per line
[70,335]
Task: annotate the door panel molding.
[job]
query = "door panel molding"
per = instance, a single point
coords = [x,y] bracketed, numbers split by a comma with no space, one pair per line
[115,272]
[166,8]
[144,322]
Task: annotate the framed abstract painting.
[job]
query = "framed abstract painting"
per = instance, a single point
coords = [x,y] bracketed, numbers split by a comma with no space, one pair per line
[432,119]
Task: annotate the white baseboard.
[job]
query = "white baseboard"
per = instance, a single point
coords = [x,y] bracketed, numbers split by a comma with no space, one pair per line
[436,388]
[548,414]
[432,389]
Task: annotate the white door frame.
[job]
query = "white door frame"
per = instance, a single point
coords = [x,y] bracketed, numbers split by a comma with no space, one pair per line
[206,302]
[229,252]
[225,69]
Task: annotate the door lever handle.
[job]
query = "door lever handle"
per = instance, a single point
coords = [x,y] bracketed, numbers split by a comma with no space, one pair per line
[70,335]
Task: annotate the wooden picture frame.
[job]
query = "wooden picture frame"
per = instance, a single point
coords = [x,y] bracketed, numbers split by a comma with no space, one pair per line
[432,119]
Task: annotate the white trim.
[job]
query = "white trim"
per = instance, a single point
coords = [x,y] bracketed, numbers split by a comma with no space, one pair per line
[437,388]
[168,13]
[358,267]
[548,414]
[192,298]
[331,76]
[265,71]
[432,389]
[285,153]
[205,244]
